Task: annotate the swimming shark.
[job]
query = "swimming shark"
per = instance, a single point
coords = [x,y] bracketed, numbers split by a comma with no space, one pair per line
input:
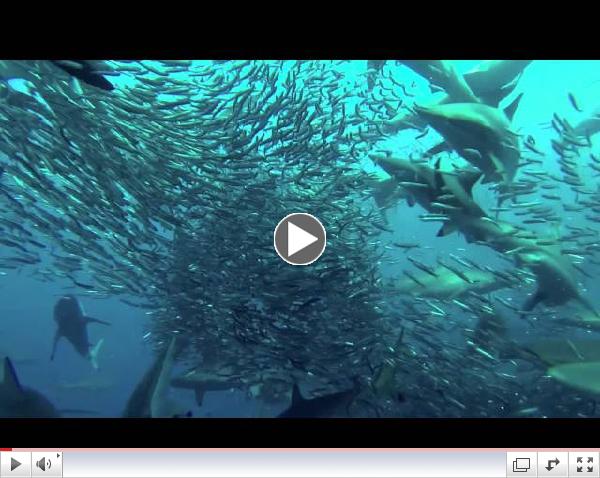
[443,74]
[443,283]
[433,188]
[201,382]
[555,277]
[589,126]
[72,324]
[490,81]
[480,134]
[583,376]
[329,405]
[150,397]
[553,270]
[17,401]
[90,72]
[482,229]
[493,80]
[556,351]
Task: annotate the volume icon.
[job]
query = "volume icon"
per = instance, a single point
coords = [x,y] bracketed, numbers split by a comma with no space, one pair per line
[43,463]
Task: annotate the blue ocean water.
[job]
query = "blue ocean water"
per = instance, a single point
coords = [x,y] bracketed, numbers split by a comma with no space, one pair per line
[26,303]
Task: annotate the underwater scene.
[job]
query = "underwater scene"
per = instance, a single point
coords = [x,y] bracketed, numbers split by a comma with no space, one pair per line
[138,270]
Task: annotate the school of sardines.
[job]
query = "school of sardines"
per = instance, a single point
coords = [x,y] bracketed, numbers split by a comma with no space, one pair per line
[164,191]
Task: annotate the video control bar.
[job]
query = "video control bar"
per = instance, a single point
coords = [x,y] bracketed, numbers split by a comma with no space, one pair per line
[297,463]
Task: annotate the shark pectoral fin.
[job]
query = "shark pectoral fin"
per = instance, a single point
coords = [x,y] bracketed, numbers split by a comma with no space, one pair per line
[446,229]
[10,386]
[439,148]
[199,395]
[468,180]
[500,171]
[534,300]
[54,344]
[510,110]
[94,353]
[90,320]
[410,199]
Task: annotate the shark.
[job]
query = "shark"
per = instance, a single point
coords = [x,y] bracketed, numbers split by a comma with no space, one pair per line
[150,397]
[324,406]
[201,382]
[443,74]
[557,351]
[433,188]
[18,401]
[554,273]
[443,283]
[490,81]
[72,325]
[494,80]
[555,277]
[479,133]
[588,126]
[88,71]
[482,229]
[583,376]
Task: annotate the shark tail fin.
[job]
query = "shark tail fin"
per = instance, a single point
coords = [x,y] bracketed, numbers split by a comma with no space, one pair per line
[94,353]
[10,384]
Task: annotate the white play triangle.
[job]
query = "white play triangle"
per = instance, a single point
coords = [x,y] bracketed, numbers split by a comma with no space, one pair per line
[298,239]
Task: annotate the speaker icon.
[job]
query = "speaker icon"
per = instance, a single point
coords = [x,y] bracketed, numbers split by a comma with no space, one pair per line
[43,463]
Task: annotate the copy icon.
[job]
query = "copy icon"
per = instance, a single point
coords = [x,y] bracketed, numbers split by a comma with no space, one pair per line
[521,465]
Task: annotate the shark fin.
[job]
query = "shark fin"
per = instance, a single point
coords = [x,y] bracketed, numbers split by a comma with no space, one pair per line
[439,148]
[90,320]
[410,199]
[469,179]
[54,344]
[534,300]
[446,229]
[199,395]
[10,384]
[510,110]
[94,353]
[296,395]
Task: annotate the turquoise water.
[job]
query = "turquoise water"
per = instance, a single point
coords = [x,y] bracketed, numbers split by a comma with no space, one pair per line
[435,345]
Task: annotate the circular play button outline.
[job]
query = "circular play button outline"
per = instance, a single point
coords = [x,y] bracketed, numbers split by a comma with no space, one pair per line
[305,224]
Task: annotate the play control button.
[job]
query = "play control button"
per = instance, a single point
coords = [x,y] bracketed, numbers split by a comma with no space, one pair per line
[299,239]
[14,464]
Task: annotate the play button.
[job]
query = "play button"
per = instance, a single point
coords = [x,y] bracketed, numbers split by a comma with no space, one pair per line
[14,464]
[299,239]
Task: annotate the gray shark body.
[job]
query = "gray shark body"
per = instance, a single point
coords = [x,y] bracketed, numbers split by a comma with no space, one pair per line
[480,134]
[17,401]
[490,82]
[150,397]
[330,405]
[432,188]
[72,325]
